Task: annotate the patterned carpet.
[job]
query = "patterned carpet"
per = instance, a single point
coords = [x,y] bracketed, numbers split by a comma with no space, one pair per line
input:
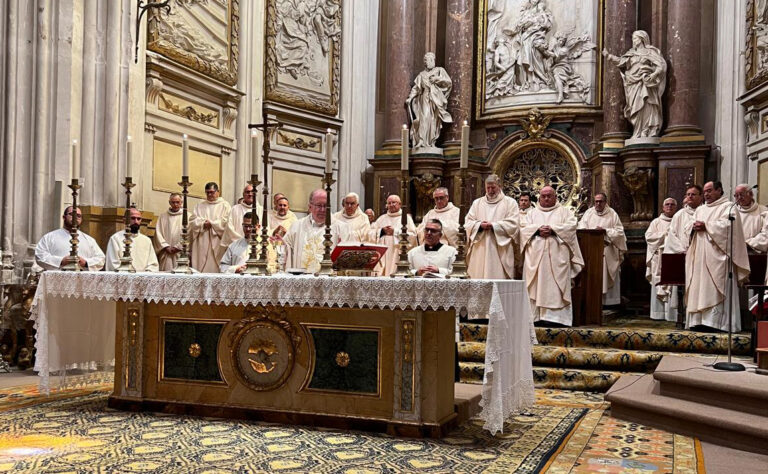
[565,432]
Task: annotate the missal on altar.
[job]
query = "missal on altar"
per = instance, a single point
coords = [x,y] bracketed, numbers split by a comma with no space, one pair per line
[356,259]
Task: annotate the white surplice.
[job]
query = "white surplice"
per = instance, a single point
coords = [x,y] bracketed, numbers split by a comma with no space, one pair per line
[55,245]
[679,234]
[613,251]
[388,263]
[442,258]
[752,222]
[285,221]
[358,223]
[168,234]
[449,217]
[304,243]
[551,262]
[208,245]
[491,252]
[663,297]
[143,257]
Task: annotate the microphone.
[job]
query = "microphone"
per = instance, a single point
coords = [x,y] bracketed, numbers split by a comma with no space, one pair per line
[754,187]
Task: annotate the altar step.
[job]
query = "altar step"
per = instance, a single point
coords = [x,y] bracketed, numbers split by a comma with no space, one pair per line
[686,396]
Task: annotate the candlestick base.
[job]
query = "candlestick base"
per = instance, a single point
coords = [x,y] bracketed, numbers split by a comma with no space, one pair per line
[403,269]
[126,265]
[182,266]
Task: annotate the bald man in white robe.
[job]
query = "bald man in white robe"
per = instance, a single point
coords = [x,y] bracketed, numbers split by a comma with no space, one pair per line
[281,217]
[753,218]
[354,218]
[552,258]
[446,213]
[143,257]
[386,231]
[680,228]
[601,216]
[663,297]
[706,263]
[167,241]
[492,228]
[209,230]
[239,210]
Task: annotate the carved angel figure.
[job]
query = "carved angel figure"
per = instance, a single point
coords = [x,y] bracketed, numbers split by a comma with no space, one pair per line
[562,51]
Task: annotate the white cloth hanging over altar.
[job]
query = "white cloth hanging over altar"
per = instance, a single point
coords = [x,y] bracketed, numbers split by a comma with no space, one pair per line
[74,315]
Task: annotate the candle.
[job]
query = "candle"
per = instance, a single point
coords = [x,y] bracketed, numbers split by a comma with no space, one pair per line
[128,156]
[464,160]
[75,161]
[255,153]
[404,145]
[184,155]
[329,151]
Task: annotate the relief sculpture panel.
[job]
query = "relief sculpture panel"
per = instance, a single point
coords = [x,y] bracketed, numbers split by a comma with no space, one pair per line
[756,51]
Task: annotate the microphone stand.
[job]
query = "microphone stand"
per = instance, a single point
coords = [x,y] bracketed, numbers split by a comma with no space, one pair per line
[730,366]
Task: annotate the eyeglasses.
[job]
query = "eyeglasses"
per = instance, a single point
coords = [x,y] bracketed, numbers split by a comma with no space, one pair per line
[432,231]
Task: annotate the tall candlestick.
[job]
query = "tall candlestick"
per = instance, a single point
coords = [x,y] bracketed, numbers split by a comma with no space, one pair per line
[404,145]
[329,151]
[75,160]
[255,155]
[128,157]
[184,155]
[464,160]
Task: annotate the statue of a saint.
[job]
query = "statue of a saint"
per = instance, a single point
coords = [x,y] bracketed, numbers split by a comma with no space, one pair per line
[427,105]
[644,72]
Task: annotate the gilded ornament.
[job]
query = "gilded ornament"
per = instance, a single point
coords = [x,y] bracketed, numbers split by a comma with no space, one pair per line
[188,112]
[262,350]
[536,124]
[342,359]
[195,350]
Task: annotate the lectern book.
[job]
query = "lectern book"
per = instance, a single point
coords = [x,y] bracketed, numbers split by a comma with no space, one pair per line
[357,256]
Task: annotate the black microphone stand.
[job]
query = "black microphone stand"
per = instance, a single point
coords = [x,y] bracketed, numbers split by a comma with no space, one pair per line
[730,366]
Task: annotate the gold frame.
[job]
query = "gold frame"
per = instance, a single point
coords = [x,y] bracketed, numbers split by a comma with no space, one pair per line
[311,369]
[161,350]
[522,110]
[753,77]
[227,76]
[274,91]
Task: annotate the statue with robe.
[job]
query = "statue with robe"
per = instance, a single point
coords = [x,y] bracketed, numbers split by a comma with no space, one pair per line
[427,105]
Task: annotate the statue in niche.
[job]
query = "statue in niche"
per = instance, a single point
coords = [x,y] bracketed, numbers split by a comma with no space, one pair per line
[644,72]
[563,50]
[427,106]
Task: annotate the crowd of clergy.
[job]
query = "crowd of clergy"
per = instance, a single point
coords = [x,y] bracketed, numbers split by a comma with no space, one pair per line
[506,238]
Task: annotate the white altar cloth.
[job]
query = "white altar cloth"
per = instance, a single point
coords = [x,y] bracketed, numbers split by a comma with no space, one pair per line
[74,315]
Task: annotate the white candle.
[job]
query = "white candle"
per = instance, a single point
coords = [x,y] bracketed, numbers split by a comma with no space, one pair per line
[75,160]
[128,157]
[464,160]
[255,153]
[184,155]
[329,151]
[404,145]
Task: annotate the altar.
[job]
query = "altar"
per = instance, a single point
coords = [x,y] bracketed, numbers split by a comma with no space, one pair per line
[284,348]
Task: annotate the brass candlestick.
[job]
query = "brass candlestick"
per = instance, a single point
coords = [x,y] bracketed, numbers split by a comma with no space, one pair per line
[182,263]
[126,261]
[74,258]
[326,265]
[255,265]
[460,264]
[403,268]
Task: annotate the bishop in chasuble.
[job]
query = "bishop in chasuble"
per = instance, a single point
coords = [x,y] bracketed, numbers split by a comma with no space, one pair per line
[680,228]
[209,230]
[239,210]
[143,258]
[386,231]
[356,220]
[446,213]
[492,229]
[663,297]
[304,241]
[167,239]
[52,251]
[601,216]
[706,263]
[552,258]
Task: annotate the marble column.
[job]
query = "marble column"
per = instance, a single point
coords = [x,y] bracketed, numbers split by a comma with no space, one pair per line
[620,23]
[399,68]
[459,47]
[683,43]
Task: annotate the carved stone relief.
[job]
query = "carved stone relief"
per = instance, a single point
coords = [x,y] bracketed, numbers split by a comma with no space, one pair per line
[639,183]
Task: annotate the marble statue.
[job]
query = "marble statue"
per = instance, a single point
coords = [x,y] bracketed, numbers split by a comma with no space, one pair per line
[427,106]
[644,72]
[563,50]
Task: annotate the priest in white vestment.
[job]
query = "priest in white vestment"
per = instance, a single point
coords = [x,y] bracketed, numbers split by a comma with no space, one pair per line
[492,225]
[552,258]
[239,210]
[524,202]
[52,251]
[446,213]
[434,257]
[601,216]
[680,228]
[304,241]
[356,220]
[281,217]
[386,231]
[238,252]
[663,297]
[753,218]
[209,230]
[706,263]
[167,239]
[143,258]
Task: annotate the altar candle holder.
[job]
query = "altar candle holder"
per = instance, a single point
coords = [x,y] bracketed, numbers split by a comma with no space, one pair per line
[74,258]
[255,265]
[126,261]
[182,262]
[460,264]
[403,268]
[326,265]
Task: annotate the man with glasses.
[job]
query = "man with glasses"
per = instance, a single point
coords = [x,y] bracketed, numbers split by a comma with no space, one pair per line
[239,210]
[446,213]
[434,258]
[238,252]
[753,217]
[209,230]
[679,234]
[663,297]
[386,231]
[350,214]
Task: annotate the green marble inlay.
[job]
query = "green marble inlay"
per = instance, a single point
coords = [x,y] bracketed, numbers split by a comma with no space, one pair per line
[179,364]
[361,375]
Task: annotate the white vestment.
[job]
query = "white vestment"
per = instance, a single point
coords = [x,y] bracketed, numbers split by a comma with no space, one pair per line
[449,217]
[388,263]
[491,253]
[238,252]
[276,220]
[236,219]
[304,243]
[143,258]
[208,245]
[752,222]
[55,245]
[706,267]
[167,235]
[442,258]
[663,297]
[550,262]
[679,233]
[358,223]
[613,252]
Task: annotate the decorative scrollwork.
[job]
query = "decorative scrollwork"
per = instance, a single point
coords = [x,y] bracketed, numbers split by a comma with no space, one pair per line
[298,141]
[188,112]
[538,167]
